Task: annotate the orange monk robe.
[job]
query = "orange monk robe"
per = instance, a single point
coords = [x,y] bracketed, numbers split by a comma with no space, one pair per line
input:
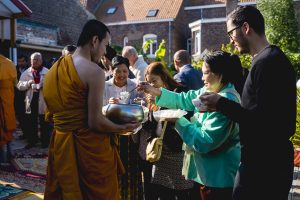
[8,77]
[82,164]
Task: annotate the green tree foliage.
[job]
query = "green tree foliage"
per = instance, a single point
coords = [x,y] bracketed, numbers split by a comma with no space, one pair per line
[281,23]
[160,54]
[296,137]
[282,28]
[118,49]
[295,60]
[161,51]
[197,64]
[147,44]
[246,59]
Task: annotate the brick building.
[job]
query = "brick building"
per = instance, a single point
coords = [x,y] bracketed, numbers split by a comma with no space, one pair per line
[194,25]
[209,29]
[132,22]
[52,25]
[9,12]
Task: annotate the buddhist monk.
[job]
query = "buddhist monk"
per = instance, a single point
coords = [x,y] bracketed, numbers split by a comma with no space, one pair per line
[83,161]
[8,79]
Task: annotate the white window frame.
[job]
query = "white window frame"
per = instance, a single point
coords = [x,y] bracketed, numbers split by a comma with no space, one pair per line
[152,46]
[197,42]
[125,41]
[111,10]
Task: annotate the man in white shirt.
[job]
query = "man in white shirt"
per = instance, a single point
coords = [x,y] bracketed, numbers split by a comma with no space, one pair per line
[137,62]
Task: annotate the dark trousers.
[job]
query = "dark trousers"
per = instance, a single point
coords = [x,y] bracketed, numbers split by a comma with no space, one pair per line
[32,121]
[19,105]
[272,182]
[195,193]
[145,168]
[162,193]
[211,193]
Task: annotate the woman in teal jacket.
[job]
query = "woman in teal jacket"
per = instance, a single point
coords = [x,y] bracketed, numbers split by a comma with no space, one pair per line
[211,141]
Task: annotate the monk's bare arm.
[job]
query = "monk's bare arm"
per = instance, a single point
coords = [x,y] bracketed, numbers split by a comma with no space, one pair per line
[97,121]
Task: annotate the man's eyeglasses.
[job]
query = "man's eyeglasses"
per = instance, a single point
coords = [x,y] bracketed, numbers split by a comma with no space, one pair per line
[231,31]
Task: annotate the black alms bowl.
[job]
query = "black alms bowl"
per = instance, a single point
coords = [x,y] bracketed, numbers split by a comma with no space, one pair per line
[124,113]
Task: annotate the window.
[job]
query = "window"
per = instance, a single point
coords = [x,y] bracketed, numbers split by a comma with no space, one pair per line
[125,41]
[111,10]
[83,3]
[189,45]
[152,13]
[197,42]
[151,41]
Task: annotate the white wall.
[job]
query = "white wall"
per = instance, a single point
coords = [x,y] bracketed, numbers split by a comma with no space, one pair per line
[5,29]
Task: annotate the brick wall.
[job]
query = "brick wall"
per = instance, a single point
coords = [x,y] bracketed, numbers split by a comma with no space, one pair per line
[213,36]
[214,13]
[91,4]
[181,30]
[135,33]
[193,15]
[203,2]
[68,15]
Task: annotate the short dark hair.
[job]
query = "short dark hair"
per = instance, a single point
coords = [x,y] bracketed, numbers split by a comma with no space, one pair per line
[118,60]
[226,64]
[248,14]
[71,48]
[110,53]
[23,56]
[183,56]
[92,28]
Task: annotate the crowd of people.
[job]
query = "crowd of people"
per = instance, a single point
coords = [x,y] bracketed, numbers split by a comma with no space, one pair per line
[211,153]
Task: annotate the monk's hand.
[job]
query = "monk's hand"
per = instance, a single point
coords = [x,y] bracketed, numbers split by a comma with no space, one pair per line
[113,100]
[130,127]
[148,89]
[209,101]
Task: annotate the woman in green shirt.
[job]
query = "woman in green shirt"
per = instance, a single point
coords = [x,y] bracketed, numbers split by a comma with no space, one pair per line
[211,141]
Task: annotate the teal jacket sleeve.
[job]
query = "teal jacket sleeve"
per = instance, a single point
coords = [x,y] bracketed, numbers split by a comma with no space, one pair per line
[206,131]
[207,135]
[169,99]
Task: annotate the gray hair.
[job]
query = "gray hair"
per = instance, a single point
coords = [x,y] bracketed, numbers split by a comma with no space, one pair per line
[36,54]
[129,50]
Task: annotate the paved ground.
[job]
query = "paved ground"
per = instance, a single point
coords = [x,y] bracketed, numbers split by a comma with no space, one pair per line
[295,190]
[36,184]
[18,145]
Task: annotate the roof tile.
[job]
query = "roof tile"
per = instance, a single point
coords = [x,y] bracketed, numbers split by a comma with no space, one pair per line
[136,10]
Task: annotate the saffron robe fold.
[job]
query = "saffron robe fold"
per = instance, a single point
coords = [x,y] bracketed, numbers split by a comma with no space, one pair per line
[8,76]
[82,164]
